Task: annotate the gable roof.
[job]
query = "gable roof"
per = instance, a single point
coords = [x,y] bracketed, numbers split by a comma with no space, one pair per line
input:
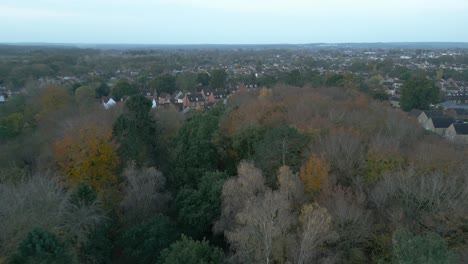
[434,113]
[195,98]
[461,129]
[442,122]
[220,94]
[415,112]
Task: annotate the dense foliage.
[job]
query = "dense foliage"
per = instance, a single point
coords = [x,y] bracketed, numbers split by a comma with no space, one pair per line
[309,168]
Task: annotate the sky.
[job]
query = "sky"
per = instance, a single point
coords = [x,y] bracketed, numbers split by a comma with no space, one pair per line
[233,21]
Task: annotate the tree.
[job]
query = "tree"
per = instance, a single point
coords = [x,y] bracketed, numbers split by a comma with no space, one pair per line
[186,81]
[418,93]
[135,131]
[41,202]
[189,251]
[295,78]
[197,209]
[314,173]
[429,249]
[315,225]
[85,96]
[42,247]
[262,227]
[145,193]
[245,139]
[203,79]
[280,146]
[143,243]
[102,90]
[218,79]
[123,88]
[89,156]
[237,192]
[375,81]
[12,125]
[52,99]
[290,184]
[194,153]
[165,83]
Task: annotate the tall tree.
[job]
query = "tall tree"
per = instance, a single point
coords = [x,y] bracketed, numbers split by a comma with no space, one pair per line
[135,131]
[189,251]
[165,83]
[418,93]
[123,88]
[429,249]
[280,146]
[41,247]
[197,209]
[194,153]
[218,79]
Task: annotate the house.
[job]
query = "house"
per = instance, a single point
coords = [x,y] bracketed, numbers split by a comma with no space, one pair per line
[108,103]
[164,98]
[194,100]
[395,101]
[428,114]
[415,113]
[217,96]
[457,132]
[438,125]
[3,97]
[178,97]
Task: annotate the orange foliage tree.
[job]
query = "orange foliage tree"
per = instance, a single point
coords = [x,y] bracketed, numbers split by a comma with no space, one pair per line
[88,155]
[314,173]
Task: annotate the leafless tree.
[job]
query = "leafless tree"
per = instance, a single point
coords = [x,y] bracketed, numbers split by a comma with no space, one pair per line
[417,194]
[345,153]
[351,220]
[315,225]
[291,185]
[39,201]
[263,223]
[237,192]
[144,193]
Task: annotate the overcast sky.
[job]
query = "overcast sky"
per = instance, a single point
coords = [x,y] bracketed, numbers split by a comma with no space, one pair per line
[232,21]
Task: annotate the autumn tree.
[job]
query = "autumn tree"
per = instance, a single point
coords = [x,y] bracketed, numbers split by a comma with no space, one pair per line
[88,155]
[52,100]
[314,173]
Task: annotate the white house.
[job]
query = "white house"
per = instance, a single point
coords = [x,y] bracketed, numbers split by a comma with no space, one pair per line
[109,103]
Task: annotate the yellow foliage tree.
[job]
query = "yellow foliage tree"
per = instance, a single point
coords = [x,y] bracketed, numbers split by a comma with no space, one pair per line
[88,155]
[314,173]
[52,99]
